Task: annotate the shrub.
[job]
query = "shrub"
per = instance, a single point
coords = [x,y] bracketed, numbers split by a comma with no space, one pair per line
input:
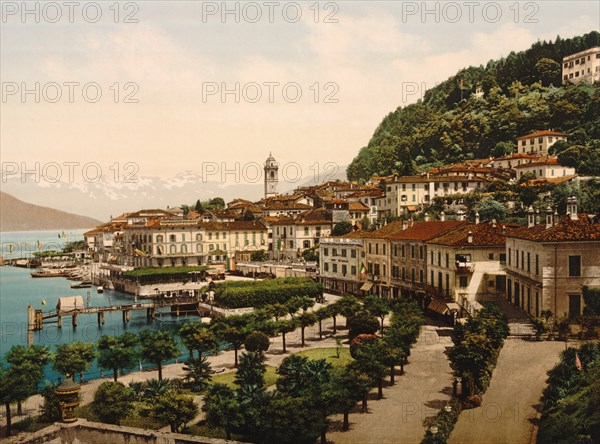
[113,401]
[257,342]
[262,293]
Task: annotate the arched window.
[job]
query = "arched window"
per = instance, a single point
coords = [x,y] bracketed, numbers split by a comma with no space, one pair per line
[198,237]
[173,249]
[199,248]
[272,174]
[184,248]
[159,239]
[172,238]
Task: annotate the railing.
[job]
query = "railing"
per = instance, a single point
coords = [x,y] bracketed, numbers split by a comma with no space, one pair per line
[465,267]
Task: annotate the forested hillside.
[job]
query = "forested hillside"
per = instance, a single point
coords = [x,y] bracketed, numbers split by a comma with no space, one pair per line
[523,93]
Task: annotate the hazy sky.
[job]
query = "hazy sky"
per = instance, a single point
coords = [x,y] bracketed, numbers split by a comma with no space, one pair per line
[175,61]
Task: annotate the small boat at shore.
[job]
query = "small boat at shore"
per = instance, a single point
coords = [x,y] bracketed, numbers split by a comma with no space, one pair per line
[81,285]
[100,289]
[47,274]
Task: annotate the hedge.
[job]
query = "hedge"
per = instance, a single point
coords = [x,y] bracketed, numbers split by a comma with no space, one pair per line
[260,293]
[162,271]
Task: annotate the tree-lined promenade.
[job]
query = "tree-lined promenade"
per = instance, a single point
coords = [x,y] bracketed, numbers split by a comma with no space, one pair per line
[273,322]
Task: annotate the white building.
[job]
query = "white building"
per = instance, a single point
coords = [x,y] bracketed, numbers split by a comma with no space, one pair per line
[548,263]
[584,65]
[545,168]
[537,143]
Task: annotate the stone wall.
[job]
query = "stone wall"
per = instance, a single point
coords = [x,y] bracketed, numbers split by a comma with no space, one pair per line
[87,432]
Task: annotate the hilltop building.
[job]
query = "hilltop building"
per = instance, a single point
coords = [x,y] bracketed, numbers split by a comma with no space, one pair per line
[584,65]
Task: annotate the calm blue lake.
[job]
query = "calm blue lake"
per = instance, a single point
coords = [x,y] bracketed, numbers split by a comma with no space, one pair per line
[18,289]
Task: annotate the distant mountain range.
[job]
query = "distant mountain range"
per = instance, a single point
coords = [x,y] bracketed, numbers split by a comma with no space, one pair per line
[16,215]
[106,198]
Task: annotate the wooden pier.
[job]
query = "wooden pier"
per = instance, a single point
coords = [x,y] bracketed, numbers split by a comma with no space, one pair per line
[36,318]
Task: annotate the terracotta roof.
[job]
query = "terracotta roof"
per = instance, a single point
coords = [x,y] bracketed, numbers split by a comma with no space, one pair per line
[286,206]
[582,229]
[357,206]
[517,156]
[485,234]
[541,134]
[546,160]
[425,230]
[386,231]
[551,180]
[365,193]
[151,213]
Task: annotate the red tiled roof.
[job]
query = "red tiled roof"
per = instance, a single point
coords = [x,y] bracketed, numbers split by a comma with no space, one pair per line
[484,235]
[425,230]
[546,160]
[357,206]
[545,181]
[581,229]
[541,134]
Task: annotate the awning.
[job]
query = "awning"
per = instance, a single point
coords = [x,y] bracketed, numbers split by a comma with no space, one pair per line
[438,306]
[452,306]
[367,286]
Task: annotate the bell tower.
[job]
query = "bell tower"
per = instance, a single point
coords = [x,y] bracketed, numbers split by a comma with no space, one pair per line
[271,176]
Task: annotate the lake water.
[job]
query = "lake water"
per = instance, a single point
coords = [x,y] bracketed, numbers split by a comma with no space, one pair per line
[18,289]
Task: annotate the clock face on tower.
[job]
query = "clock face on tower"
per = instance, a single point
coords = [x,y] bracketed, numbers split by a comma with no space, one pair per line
[271,186]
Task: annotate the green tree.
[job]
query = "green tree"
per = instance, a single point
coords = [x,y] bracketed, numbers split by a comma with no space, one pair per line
[489,209]
[257,342]
[76,357]
[341,228]
[233,330]
[347,306]
[362,322]
[222,408]
[305,319]
[377,307]
[259,256]
[285,326]
[117,352]
[251,370]
[198,373]
[322,314]
[549,71]
[174,409]
[30,361]
[112,402]
[158,346]
[197,336]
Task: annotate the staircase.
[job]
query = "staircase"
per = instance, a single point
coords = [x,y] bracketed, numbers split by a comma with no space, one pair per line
[520,329]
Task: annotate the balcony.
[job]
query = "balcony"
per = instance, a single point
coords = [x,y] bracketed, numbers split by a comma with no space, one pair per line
[465,267]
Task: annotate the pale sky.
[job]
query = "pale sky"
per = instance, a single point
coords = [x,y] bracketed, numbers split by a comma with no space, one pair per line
[176,50]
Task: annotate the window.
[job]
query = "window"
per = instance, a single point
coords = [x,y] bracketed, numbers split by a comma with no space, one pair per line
[334,267]
[421,276]
[326,266]
[412,251]
[447,260]
[306,244]
[403,273]
[217,235]
[403,252]
[159,238]
[420,251]
[325,251]
[432,258]
[172,238]
[463,281]
[528,262]
[344,269]
[199,248]
[306,231]
[344,252]
[502,258]
[412,274]
[353,254]
[370,247]
[537,264]
[184,248]
[491,256]
[509,256]
[353,270]
[396,250]
[439,258]
[172,249]
[522,260]
[517,258]
[383,246]
[198,237]
[376,248]
[334,251]
[574,266]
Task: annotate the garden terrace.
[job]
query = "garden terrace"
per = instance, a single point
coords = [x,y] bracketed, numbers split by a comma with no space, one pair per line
[260,293]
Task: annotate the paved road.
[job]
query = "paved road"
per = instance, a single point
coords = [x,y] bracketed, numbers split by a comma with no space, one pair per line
[508,406]
[419,393]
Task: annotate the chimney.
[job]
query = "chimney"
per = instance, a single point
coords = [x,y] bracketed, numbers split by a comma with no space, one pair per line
[426,217]
[442,216]
[556,218]
[572,203]
[477,218]
[530,217]
[503,230]
[549,221]
[470,237]
[494,223]
[461,214]
[537,217]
